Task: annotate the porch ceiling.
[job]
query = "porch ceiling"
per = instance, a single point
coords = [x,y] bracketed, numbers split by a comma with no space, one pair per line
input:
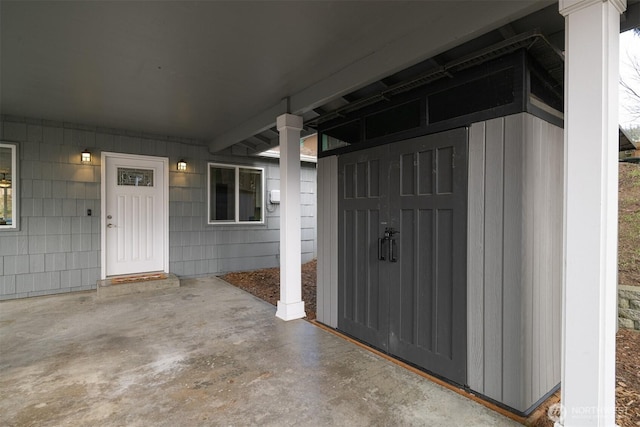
[221,71]
[205,69]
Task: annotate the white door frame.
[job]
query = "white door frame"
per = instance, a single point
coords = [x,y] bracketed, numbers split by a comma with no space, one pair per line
[103,206]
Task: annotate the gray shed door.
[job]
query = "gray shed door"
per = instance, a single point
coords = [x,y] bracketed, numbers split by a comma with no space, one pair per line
[402,250]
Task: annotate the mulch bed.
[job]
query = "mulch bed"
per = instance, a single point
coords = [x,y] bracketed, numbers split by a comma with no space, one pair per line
[629,224]
[628,378]
[265,284]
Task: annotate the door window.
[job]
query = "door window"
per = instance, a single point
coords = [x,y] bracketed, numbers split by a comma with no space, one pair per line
[135,177]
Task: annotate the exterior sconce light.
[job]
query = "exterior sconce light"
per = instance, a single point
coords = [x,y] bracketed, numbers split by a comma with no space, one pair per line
[85,157]
[4,182]
[182,165]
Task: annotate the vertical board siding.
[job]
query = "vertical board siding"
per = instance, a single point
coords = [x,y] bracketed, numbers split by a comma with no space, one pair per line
[327,288]
[475,258]
[333,241]
[546,246]
[493,258]
[514,258]
[537,186]
[528,275]
[557,173]
[512,351]
[322,297]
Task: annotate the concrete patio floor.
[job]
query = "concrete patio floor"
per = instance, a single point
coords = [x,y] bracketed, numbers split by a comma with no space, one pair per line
[204,354]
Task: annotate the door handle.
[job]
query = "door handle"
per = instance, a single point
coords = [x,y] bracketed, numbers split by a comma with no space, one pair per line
[392,251]
[381,243]
[111,225]
[389,232]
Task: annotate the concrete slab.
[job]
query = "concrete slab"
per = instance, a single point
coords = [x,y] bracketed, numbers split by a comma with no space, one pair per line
[203,354]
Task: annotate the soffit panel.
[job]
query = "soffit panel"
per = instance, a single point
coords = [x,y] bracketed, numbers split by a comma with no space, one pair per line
[190,69]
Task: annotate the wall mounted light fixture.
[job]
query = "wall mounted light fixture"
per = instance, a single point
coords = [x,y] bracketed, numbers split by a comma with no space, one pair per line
[182,165]
[4,182]
[85,157]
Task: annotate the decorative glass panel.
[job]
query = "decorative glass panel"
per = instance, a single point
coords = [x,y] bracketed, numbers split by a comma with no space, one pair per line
[135,177]
[8,186]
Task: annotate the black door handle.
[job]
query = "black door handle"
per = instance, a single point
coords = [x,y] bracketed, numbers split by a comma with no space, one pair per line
[381,244]
[389,232]
[392,251]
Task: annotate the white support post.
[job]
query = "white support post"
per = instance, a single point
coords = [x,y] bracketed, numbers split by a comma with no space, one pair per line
[590,211]
[290,305]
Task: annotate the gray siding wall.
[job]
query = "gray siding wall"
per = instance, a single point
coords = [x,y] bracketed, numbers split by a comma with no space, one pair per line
[57,247]
[327,283]
[514,258]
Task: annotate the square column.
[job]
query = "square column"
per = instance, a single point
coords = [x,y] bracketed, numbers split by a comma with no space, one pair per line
[590,212]
[290,305]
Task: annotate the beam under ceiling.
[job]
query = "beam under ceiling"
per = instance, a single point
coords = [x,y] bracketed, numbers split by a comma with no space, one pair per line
[439,33]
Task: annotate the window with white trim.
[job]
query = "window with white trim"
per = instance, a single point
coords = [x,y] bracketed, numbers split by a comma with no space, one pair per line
[8,186]
[235,194]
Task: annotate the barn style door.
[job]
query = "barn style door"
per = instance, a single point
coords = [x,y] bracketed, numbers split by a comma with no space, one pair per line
[402,230]
[363,197]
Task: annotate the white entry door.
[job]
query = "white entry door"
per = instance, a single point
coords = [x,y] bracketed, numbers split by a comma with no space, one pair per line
[135,214]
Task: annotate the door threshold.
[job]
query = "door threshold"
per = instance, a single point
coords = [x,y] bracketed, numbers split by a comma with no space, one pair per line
[115,286]
[137,277]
